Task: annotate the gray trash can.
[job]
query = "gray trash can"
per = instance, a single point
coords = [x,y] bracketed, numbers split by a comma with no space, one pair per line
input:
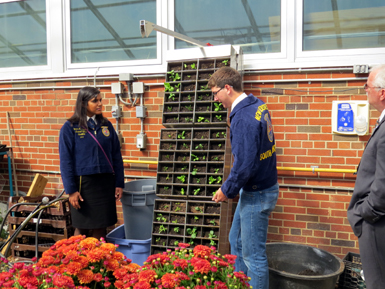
[138,207]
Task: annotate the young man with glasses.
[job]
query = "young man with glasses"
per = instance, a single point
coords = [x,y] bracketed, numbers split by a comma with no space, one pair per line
[253,175]
[366,212]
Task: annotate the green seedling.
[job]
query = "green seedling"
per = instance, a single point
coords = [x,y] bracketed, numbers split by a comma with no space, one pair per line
[204,157]
[182,178]
[171,96]
[170,147]
[204,87]
[184,158]
[189,97]
[194,158]
[167,156]
[199,209]
[191,242]
[182,192]
[199,147]
[200,97]
[182,135]
[176,243]
[192,232]
[213,222]
[188,119]
[216,170]
[169,136]
[183,168]
[166,188]
[218,106]
[164,243]
[193,66]
[174,222]
[196,191]
[211,234]
[225,62]
[169,108]
[177,209]
[168,87]
[198,180]
[189,107]
[218,117]
[208,108]
[201,119]
[167,177]
[176,229]
[194,172]
[188,76]
[196,218]
[161,218]
[212,180]
[162,229]
[219,145]
[215,159]
[213,193]
[219,180]
[173,76]
[165,169]
[177,86]
[212,243]
[185,145]
[157,239]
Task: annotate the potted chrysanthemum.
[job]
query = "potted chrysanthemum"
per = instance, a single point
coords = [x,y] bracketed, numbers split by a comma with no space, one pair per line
[80,263]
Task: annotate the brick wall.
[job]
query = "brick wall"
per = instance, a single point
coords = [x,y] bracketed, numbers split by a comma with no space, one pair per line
[312,206]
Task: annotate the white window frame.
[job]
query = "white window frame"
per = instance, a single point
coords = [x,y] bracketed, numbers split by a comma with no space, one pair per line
[291,55]
[336,57]
[139,62]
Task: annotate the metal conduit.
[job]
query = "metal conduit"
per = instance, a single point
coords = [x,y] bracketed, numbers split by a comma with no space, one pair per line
[298,70]
[305,80]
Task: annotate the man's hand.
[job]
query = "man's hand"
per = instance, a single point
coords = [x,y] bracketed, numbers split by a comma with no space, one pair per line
[219,196]
[74,200]
[118,193]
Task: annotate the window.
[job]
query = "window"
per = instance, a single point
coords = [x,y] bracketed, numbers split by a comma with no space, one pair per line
[23,39]
[104,31]
[340,24]
[254,25]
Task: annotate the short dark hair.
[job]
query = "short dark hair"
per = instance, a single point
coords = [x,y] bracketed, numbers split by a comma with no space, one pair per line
[226,75]
[85,94]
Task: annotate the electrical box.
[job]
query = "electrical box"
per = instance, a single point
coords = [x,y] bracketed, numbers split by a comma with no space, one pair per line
[140,111]
[126,77]
[116,88]
[116,111]
[138,87]
[350,117]
[141,141]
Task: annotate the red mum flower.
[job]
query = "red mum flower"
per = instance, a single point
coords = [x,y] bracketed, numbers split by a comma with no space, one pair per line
[200,287]
[230,258]
[182,263]
[168,280]
[85,276]
[202,251]
[97,277]
[183,245]
[147,275]
[202,266]
[62,281]
[142,285]
[220,285]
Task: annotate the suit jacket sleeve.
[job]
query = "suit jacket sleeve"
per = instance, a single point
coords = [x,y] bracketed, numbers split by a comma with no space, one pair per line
[372,206]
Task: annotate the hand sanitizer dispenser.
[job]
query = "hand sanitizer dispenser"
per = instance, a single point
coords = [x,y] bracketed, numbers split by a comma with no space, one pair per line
[350,117]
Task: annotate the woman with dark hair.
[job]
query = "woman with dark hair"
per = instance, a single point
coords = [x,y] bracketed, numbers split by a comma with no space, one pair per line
[91,166]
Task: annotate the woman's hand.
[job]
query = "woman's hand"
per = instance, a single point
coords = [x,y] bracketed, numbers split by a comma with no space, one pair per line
[74,200]
[118,193]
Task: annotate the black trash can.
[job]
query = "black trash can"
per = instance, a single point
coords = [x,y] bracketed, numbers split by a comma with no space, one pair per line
[138,207]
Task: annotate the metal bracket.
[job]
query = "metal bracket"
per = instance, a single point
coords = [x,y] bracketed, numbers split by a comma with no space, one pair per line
[146,28]
[314,167]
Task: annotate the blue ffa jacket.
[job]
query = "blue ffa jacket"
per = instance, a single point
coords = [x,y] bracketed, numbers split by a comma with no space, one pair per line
[81,155]
[253,147]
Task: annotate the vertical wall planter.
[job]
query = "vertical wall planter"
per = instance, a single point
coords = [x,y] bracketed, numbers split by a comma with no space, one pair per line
[192,222]
[194,159]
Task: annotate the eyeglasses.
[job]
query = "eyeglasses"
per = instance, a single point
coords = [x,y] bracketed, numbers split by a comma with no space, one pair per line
[215,93]
[366,86]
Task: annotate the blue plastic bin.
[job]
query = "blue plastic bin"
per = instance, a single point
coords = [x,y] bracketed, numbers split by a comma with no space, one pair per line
[136,250]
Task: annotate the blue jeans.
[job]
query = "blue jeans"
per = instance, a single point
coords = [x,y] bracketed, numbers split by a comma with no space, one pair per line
[248,234]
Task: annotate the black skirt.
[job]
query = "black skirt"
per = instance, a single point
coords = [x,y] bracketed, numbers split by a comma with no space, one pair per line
[98,210]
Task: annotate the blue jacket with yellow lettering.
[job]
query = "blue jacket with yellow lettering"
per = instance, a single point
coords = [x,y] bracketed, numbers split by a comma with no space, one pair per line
[81,155]
[253,147]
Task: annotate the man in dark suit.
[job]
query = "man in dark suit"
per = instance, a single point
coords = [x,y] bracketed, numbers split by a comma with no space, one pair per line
[367,207]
